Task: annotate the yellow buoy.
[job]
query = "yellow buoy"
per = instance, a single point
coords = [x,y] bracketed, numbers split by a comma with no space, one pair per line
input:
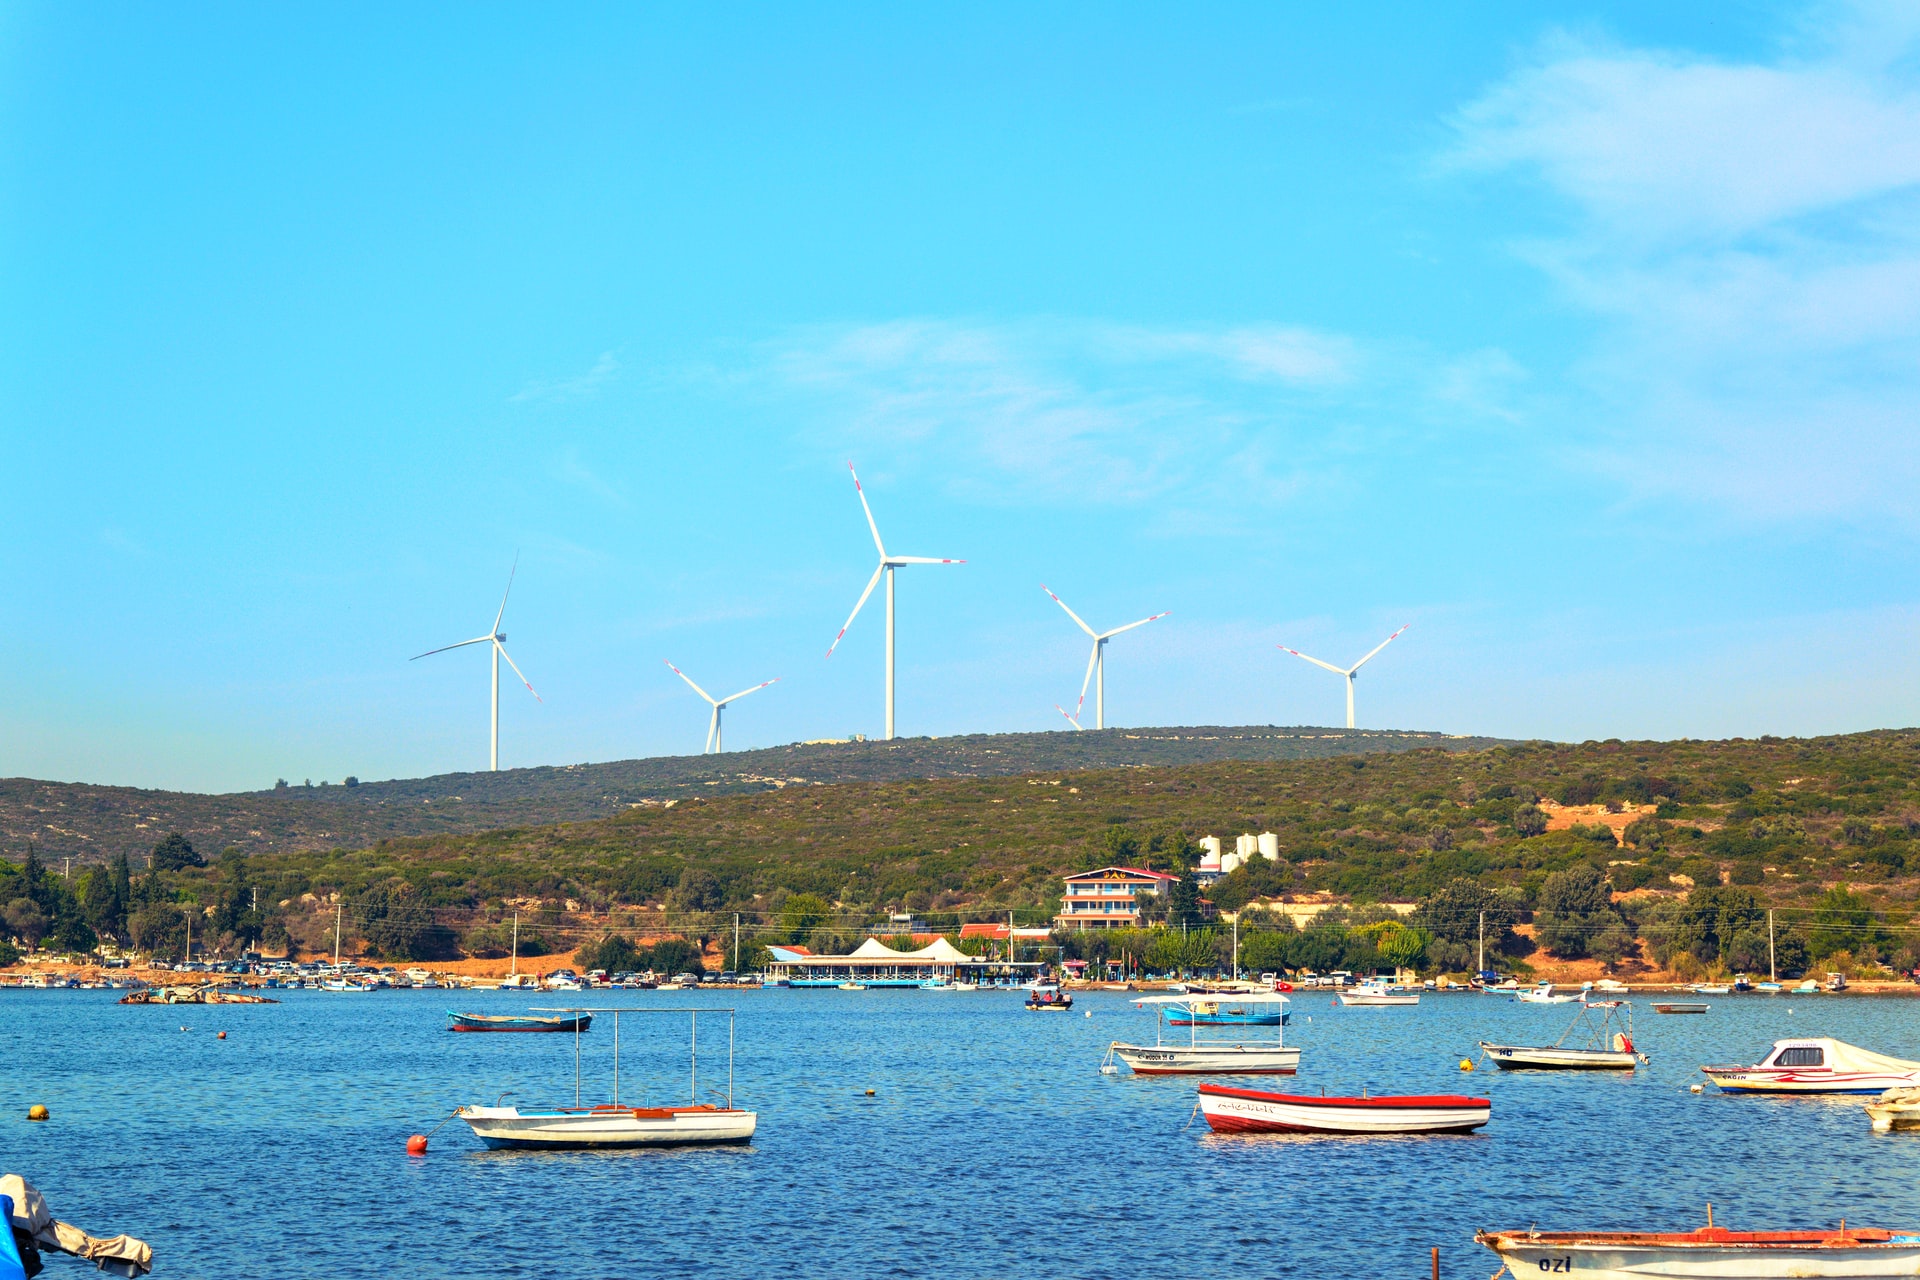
[1466,1064]
[37,1112]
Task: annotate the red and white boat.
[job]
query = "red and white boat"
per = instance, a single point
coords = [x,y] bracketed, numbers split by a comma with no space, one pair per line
[1230,1110]
[1711,1253]
[1818,1066]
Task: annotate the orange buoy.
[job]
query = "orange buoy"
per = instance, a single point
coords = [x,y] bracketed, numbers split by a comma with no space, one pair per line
[417,1145]
[221,1036]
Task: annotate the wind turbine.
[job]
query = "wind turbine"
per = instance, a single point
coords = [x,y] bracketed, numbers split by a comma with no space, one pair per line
[1097,661]
[713,725]
[887,565]
[1348,672]
[498,639]
[1071,718]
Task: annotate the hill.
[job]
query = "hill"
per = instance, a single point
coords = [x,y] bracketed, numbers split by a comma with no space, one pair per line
[92,823]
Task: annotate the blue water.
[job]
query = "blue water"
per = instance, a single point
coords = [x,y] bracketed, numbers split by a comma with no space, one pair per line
[992,1145]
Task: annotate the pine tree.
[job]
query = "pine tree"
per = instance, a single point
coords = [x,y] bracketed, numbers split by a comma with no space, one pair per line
[1183,903]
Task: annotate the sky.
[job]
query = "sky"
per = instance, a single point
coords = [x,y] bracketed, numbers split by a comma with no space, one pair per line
[1584,338]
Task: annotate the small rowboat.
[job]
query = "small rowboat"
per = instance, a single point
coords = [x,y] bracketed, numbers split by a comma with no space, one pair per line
[1856,1253]
[1230,1110]
[1680,1006]
[1818,1066]
[607,1126]
[523,1022]
[1228,1054]
[1049,999]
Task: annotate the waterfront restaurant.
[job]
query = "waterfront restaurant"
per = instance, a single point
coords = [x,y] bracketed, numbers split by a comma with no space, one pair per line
[878,965]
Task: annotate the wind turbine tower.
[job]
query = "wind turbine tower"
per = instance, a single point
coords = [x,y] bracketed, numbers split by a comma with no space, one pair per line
[1347,673]
[498,639]
[713,725]
[888,564]
[1097,661]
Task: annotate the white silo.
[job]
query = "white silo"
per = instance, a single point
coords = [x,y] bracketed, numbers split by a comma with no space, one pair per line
[1210,847]
[1246,846]
[1230,861]
[1270,846]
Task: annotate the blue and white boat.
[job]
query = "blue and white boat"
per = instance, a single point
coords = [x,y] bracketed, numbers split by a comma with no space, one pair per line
[1226,1011]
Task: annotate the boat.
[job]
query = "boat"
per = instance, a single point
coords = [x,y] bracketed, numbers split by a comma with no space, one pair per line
[1711,989]
[1836,982]
[1807,988]
[519,981]
[1542,993]
[1234,1110]
[1895,1109]
[1862,1252]
[1374,992]
[614,1124]
[1768,988]
[1818,1066]
[341,984]
[1611,987]
[1212,1012]
[1741,982]
[852,986]
[1049,1000]
[1192,1055]
[1680,1006]
[521,1022]
[1605,1048]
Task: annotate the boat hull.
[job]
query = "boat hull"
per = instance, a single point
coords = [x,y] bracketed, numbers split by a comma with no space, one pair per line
[1251,1111]
[508,1128]
[487,1022]
[1806,1080]
[1209,1059]
[1510,1057]
[1711,1254]
[1365,998]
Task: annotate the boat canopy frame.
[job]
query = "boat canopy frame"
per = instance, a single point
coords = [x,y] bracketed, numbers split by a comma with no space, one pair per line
[693,1043]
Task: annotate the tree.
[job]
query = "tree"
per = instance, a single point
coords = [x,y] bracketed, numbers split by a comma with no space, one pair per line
[105,898]
[801,914]
[1611,945]
[175,854]
[1453,914]
[1529,820]
[1183,902]
[1574,906]
[399,926]
[674,955]
[26,921]
[612,953]
[699,890]
[1842,921]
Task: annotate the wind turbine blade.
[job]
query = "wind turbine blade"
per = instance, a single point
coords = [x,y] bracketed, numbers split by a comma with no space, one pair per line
[872,582]
[1069,715]
[443,648]
[1092,658]
[713,729]
[518,672]
[744,692]
[1339,671]
[1131,625]
[689,679]
[921,560]
[869,510]
[1070,613]
[505,594]
[1377,648]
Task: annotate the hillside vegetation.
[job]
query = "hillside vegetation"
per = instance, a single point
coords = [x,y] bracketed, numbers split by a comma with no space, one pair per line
[91,823]
[1711,834]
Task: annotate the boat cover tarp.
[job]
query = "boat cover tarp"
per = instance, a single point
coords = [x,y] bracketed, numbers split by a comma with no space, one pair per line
[1842,1056]
[121,1255]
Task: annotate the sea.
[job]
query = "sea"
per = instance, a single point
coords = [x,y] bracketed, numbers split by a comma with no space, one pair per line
[901,1133]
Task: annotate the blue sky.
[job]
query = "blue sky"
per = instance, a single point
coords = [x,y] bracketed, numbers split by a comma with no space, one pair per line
[1583,341]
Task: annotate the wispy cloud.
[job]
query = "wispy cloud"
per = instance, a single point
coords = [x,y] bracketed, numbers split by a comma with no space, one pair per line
[569,469]
[604,370]
[1749,234]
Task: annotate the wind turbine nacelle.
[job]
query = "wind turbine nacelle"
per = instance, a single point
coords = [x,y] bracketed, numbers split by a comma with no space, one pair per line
[500,637]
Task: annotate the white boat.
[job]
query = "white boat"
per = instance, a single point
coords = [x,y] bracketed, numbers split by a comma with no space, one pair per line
[1768,988]
[1818,1066]
[1807,988]
[1895,1109]
[1711,1253]
[341,984]
[1374,992]
[1611,987]
[1231,1110]
[608,1126]
[519,981]
[1238,1053]
[1542,993]
[853,986]
[1603,1048]
[617,1124]
[1711,989]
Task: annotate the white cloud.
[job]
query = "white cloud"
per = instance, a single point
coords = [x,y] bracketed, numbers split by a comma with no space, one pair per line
[604,370]
[1749,235]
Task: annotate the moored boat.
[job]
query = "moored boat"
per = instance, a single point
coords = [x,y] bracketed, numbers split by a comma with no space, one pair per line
[1680,1006]
[1818,1066]
[1604,1048]
[522,1022]
[1373,992]
[1895,1109]
[1542,992]
[1227,1012]
[1191,1055]
[1233,1110]
[608,1126]
[1865,1253]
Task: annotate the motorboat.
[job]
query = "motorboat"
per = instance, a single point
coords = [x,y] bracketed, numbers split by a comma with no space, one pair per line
[1680,1006]
[1836,982]
[1711,989]
[1375,992]
[1233,1110]
[1807,988]
[1818,1066]
[853,986]
[1603,1046]
[1741,982]
[615,1124]
[342,984]
[519,981]
[1222,1011]
[1193,1055]
[1768,988]
[523,1022]
[1895,1109]
[1863,1252]
[1050,999]
[1542,992]
[1611,987]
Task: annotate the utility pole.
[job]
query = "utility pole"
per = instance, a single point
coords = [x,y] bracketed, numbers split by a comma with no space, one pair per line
[1236,946]
[1483,943]
[188,912]
[1773,974]
[736,944]
[336,934]
[68,873]
[516,945]
[1012,954]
